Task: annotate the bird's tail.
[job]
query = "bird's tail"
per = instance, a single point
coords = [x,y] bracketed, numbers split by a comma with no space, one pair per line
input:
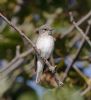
[39,70]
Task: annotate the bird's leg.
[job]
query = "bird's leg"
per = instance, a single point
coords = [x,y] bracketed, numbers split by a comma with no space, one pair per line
[39,70]
[52,69]
[39,52]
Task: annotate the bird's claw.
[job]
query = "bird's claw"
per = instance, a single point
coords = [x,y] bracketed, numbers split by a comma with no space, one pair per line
[52,69]
[60,83]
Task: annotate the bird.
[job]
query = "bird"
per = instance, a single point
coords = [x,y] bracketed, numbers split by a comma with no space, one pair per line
[45,44]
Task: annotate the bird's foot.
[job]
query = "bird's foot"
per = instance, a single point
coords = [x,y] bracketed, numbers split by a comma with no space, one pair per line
[52,69]
[60,83]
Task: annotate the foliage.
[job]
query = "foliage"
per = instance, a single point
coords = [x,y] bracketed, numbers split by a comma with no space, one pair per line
[27,15]
[64,93]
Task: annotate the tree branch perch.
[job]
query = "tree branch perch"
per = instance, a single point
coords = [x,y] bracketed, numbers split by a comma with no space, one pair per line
[51,68]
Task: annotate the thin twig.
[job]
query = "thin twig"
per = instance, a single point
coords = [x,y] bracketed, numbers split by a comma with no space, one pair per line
[86,58]
[77,53]
[17,50]
[27,52]
[14,60]
[85,91]
[79,29]
[78,23]
[80,73]
[14,66]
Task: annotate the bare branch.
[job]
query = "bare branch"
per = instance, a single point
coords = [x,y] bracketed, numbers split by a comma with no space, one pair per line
[80,30]
[14,60]
[51,68]
[86,90]
[77,53]
[78,23]
[80,73]
[86,58]
[17,50]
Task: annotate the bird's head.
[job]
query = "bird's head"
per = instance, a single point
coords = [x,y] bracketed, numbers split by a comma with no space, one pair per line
[44,29]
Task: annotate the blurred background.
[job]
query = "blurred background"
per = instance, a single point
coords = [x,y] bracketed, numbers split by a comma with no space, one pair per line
[17,75]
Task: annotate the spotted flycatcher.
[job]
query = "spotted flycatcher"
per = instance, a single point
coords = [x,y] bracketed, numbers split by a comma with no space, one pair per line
[45,45]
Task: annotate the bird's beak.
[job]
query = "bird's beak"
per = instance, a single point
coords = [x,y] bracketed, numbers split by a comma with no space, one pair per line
[51,31]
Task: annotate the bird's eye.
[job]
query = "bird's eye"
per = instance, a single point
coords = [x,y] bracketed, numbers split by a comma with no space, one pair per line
[45,29]
[37,31]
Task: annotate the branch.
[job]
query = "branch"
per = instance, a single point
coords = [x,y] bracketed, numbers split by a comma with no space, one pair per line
[77,53]
[23,35]
[51,68]
[86,58]
[85,91]
[16,62]
[10,66]
[78,23]
[80,73]
[80,30]
[17,50]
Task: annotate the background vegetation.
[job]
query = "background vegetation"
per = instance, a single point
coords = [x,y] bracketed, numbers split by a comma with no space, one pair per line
[17,79]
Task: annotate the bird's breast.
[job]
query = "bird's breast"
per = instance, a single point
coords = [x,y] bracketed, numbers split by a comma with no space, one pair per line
[45,44]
